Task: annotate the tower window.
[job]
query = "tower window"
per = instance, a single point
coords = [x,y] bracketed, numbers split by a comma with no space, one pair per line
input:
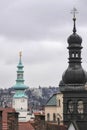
[80,106]
[70,106]
[76,55]
[20,76]
[72,54]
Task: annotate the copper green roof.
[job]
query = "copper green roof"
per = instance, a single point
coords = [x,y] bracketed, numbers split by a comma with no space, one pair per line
[20,76]
[52,101]
[20,94]
[20,86]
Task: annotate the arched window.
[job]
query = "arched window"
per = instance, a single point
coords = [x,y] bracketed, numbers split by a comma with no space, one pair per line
[72,54]
[76,55]
[54,117]
[48,117]
[70,106]
[80,106]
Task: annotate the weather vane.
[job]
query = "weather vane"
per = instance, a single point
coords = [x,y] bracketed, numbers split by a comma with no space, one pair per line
[74,12]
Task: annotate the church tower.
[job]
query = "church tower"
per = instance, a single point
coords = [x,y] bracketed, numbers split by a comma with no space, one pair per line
[20,99]
[74,85]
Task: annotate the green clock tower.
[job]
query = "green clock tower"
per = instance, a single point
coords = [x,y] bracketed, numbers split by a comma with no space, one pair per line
[20,99]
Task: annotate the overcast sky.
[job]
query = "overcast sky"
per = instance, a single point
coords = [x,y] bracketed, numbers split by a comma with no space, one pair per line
[38,28]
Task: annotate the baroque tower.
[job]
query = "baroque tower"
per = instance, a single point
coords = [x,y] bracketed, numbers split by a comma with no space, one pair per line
[74,85]
[20,99]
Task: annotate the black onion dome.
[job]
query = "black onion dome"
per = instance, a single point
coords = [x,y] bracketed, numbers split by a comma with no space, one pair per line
[74,39]
[74,75]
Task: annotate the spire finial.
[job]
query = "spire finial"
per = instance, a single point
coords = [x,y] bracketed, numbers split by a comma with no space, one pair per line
[74,12]
[20,54]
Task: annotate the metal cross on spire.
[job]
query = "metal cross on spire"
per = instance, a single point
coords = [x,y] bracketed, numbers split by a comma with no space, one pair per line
[74,12]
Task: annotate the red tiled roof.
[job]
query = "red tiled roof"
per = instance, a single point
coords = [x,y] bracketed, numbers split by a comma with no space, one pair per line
[25,126]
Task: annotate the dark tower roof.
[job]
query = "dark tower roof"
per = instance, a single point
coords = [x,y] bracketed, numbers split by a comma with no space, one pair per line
[74,74]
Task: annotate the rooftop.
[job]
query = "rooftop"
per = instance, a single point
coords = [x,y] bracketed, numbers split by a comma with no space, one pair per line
[25,126]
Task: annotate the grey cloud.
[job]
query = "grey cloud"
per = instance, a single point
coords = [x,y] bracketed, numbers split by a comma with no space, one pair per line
[34,19]
[38,28]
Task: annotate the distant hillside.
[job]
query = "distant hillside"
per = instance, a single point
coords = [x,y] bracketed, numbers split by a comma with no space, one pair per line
[37,96]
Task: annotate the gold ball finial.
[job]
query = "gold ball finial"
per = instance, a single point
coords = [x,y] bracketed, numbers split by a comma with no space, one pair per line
[20,54]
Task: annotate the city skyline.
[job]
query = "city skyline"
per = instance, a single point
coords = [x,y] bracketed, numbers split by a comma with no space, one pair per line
[40,30]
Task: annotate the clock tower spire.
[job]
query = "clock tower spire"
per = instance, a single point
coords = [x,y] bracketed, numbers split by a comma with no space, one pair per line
[20,99]
[20,75]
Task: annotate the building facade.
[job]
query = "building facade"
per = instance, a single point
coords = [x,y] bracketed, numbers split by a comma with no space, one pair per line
[54,109]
